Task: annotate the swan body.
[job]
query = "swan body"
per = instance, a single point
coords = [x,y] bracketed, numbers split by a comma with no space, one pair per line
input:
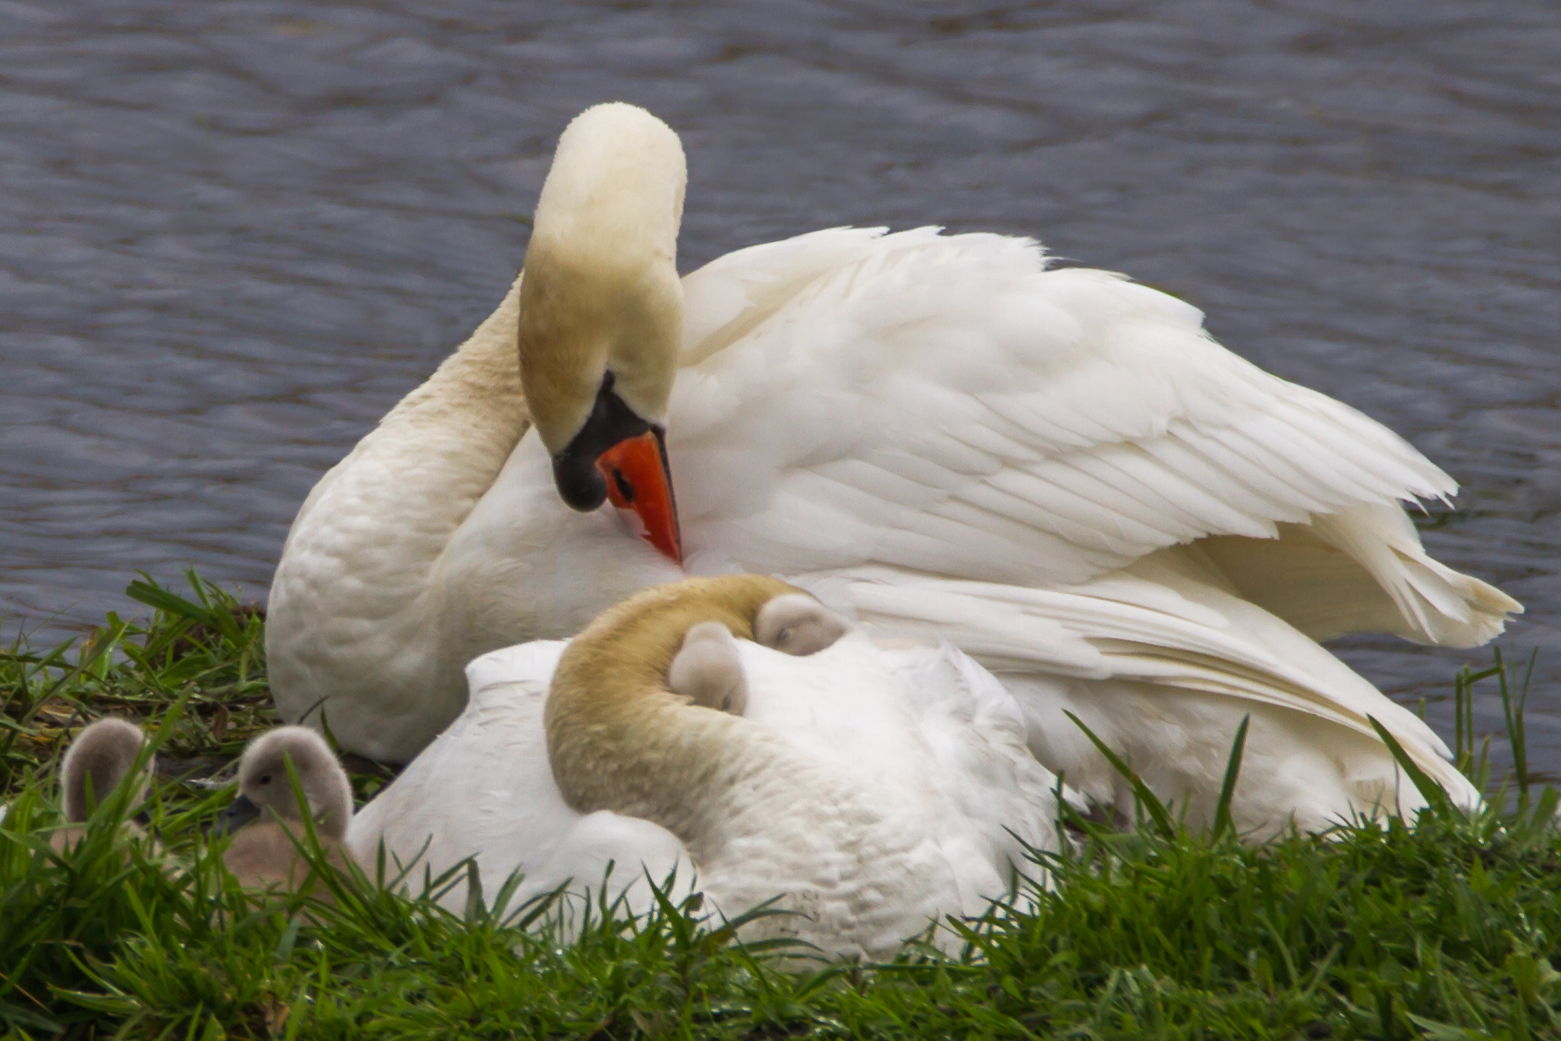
[875,788]
[484,789]
[1058,470]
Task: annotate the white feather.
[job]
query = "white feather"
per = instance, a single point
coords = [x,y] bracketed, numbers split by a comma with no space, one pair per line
[1006,447]
[909,777]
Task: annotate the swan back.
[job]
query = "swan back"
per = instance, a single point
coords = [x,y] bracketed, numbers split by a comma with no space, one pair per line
[838,789]
[926,735]
[872,787]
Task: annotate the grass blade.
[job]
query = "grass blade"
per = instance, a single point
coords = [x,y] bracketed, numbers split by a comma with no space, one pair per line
[1222,818]
[166,600]
[1429,790]
[1146,798]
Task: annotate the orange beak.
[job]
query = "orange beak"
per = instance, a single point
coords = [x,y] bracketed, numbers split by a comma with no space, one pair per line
[639,479]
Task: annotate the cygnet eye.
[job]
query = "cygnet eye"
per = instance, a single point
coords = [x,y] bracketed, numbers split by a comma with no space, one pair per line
[266,779]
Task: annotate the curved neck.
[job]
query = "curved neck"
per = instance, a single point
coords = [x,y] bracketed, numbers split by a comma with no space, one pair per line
[602,291]
[475,394]
[619,740]
[412,480]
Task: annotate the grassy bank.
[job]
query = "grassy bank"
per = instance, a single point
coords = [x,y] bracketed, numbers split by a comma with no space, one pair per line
[1445,930]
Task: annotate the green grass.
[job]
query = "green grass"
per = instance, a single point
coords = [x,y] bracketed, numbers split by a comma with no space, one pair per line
[210,650]
[1443,930]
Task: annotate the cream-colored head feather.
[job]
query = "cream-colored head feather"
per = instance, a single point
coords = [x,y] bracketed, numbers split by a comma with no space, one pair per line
[600,290]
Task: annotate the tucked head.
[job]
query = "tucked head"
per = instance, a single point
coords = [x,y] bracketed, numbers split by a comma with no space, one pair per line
[99,759]
[798,624]
[601,313]
[264,787]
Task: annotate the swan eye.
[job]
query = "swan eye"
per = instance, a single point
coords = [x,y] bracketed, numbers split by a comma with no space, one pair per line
[266,779]
[621,483]
[783,637]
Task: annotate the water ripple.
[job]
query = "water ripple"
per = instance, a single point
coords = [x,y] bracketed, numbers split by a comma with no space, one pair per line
[234,233]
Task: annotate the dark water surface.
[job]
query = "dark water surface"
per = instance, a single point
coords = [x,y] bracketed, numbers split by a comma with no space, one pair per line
[233,234]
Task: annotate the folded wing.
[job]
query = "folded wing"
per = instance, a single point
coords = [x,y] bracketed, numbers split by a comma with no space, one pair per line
[945,404]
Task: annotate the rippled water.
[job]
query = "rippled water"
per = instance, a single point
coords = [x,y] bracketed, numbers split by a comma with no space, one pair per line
[232,234]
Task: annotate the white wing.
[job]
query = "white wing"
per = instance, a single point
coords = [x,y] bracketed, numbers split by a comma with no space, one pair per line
[946,405]
[484,789]
[1162,665]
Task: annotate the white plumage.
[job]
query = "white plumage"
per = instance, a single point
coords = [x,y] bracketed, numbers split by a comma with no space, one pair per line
[900,790]
[1058,471]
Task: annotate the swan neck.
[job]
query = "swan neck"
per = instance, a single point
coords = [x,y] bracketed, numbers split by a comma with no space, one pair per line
[476,390]
[410,483]
[619,740]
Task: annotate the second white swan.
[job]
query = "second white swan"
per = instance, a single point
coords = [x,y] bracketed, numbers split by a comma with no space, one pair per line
[875,789]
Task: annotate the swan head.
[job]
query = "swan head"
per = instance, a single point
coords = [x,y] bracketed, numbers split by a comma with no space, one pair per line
[601,314]
[98,761]
[264,786]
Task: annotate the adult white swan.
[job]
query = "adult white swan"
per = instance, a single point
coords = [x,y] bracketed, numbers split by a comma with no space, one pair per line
[876,789]
[1058,470]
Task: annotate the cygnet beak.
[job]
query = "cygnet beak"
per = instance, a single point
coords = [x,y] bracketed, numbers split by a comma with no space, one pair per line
[239,813]
[621,457]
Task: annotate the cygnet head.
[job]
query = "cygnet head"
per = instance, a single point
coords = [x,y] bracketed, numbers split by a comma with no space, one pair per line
[798,624]
[264,787]
[708,670]
[97,761]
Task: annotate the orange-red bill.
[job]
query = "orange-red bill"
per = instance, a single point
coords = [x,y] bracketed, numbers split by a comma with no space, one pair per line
[638,480]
